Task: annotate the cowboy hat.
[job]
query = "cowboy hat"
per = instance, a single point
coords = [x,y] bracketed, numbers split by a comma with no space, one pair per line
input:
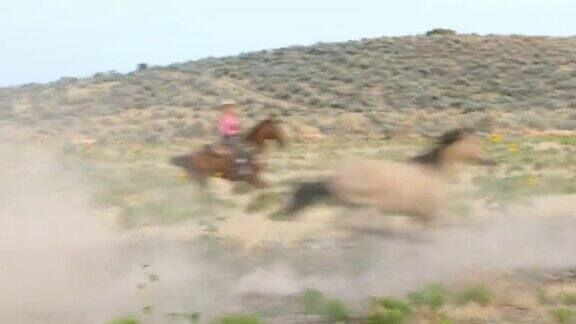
[226,102]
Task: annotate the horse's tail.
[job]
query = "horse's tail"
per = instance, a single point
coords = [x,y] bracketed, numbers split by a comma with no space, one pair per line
[305,194]
[180,161]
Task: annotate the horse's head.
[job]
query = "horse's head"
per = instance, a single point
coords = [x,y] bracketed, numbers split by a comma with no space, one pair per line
[463,146]
[268,129]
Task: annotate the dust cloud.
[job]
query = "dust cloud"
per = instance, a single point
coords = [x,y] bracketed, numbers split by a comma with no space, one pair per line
[63,262]
[54,252]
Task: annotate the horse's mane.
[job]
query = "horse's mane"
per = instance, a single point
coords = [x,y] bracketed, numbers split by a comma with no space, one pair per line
[432,157]
[256,127]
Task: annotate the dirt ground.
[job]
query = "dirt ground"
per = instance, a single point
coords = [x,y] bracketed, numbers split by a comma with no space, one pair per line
[69,257]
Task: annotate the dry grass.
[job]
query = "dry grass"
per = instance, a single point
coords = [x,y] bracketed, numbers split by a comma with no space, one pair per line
[373,86]
[137,181]
[377,98]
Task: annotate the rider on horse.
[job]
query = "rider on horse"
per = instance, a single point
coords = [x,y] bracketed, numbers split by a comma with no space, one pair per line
[229,130]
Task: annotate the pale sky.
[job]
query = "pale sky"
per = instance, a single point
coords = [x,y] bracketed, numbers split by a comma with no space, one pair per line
[43,40]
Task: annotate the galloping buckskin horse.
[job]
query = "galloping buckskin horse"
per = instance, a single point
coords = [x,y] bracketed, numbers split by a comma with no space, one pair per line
[218,159]
[416,187]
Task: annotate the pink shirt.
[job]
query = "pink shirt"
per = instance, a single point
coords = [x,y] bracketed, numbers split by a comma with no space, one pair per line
[228,125]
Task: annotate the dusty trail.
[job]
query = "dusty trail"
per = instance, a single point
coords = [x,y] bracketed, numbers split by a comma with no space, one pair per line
[62,262]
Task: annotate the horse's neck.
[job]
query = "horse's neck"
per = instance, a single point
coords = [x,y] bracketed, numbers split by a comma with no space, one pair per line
[252,138]
[447,169]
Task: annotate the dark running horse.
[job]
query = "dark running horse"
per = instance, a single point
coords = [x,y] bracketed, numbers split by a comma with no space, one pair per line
[415,187]
[216,160]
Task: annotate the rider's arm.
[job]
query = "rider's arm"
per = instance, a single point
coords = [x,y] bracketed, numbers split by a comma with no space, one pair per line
[229,126]
[222,126]
[235,125]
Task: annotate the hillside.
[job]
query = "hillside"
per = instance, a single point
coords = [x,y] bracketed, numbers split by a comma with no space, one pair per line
[368,86]
[92,203]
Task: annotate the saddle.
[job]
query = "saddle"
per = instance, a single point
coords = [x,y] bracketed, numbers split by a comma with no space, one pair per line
[219,150]
[225,151]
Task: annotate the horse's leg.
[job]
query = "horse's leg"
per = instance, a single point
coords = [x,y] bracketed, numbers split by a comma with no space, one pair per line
[255,181]
[437,209]
[253,178]
[432,216]
[197,175]
[201,179]
[201,175]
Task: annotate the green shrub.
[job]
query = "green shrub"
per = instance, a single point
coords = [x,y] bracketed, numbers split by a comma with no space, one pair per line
[441,318]
[388,311]
[192,318]
[284,95]
[441,31]
[335,310]
[534,120]
[240,319]
[312,302]
[479,294]
[569,299]
[564,315]
[543,297]
[125,320]
[433,296]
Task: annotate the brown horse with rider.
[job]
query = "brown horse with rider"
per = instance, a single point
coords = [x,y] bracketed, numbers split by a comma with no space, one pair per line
[235,158]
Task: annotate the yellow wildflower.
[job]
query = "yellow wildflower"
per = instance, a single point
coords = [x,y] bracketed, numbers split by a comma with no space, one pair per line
[495,138]
[531,181]
[133,200]
[512,147]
